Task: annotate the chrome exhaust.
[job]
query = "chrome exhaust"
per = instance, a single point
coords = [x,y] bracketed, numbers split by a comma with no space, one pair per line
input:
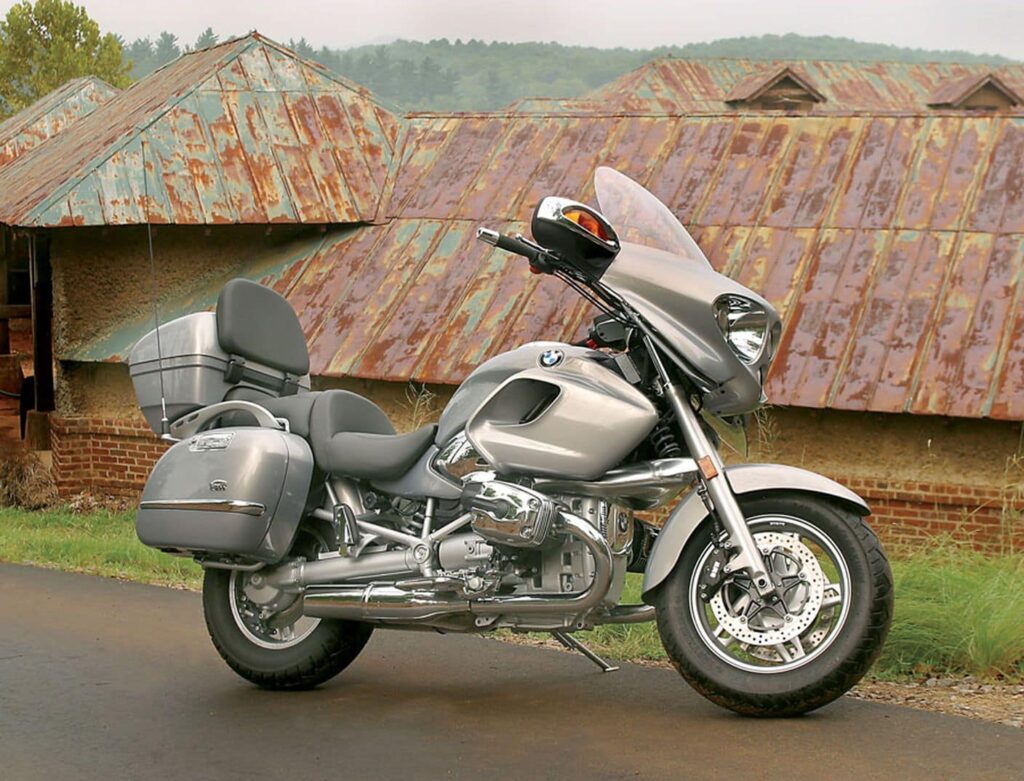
[644,485]
[389,604]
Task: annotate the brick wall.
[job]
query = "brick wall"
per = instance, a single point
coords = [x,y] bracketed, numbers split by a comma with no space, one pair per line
[113,457]
[102,456]
[991,517]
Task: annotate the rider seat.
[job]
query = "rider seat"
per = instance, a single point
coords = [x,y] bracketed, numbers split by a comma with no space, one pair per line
[349,435]
[352,436]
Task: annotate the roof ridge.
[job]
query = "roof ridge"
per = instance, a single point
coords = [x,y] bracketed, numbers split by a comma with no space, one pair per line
[360,89]
[851,60]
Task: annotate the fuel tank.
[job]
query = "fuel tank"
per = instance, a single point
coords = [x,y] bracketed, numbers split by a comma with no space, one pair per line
[489,375]
[566,416]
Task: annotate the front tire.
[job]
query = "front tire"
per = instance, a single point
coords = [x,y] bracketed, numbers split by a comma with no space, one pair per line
[302,659]
[836,617]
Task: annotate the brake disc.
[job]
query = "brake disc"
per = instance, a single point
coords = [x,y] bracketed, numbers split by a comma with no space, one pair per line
[743,616]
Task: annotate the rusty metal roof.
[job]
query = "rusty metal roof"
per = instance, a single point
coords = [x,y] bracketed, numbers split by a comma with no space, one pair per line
[242,132]
[758,83]
[956,92]
[705,85]
[51,115]
[892,245]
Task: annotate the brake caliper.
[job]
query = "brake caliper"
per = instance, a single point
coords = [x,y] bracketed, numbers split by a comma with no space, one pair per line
[713,574]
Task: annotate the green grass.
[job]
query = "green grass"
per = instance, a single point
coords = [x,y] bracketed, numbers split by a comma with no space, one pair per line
[957,611]
[99,543]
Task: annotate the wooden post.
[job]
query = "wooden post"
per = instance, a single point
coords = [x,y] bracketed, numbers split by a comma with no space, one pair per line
[42,320]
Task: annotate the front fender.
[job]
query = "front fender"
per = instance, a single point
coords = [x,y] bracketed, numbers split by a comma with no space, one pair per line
[743,479]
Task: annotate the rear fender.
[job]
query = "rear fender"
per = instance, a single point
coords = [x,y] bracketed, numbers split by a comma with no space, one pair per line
[743,479]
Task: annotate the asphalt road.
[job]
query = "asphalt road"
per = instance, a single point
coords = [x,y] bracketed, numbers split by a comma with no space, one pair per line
[107,680]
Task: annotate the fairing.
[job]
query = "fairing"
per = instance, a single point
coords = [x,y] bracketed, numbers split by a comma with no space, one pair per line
[663,275]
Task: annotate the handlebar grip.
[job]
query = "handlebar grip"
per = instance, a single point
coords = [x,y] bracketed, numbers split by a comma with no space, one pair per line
[507,243]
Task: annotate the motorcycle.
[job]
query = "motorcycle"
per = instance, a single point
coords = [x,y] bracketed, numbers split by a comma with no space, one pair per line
[315,522]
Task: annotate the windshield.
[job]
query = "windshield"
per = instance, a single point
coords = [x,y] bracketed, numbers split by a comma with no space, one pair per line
[640,218]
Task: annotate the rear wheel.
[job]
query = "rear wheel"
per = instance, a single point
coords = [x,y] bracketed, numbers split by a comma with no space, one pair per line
[815,644]
[271,649]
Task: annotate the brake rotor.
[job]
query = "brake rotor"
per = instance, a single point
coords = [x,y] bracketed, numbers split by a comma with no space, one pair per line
[743,615]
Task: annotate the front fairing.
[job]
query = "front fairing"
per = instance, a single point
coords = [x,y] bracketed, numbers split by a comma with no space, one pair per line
[676,297]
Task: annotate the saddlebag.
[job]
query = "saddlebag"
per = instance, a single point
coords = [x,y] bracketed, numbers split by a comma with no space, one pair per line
[230,493]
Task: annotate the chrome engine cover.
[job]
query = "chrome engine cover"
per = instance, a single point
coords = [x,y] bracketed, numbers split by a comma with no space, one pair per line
[509,514]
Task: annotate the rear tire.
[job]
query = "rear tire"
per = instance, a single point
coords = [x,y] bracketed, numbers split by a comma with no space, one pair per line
[327,650]
[740,684]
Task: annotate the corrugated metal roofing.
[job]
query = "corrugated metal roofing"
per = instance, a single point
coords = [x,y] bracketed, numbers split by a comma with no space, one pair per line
[688,86]
[51,115]
[954,93]
[242,132]
[893,246]
[759,82]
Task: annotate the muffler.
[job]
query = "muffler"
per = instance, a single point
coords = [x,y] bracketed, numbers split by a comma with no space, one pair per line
[389,604]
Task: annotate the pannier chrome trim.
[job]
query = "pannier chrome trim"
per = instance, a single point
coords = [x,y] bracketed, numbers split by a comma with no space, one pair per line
[206,505]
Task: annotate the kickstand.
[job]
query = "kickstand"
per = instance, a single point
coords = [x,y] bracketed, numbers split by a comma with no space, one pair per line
[573,644]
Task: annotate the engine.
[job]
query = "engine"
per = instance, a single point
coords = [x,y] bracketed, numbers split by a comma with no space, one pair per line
[530,557]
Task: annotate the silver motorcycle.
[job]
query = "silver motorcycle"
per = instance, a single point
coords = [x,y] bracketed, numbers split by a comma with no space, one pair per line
[316,522]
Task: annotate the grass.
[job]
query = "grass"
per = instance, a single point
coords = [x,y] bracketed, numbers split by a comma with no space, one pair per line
[957,611]
[99,543]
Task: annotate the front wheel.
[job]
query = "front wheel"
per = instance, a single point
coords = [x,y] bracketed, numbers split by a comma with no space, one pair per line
[809,648]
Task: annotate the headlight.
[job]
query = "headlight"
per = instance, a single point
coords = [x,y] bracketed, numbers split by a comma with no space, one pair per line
[744,325]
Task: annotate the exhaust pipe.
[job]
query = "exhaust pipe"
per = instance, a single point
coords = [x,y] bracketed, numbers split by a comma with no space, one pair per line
[647,484]
[388,604]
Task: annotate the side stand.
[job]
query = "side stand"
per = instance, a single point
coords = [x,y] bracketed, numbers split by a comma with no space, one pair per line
[573,644]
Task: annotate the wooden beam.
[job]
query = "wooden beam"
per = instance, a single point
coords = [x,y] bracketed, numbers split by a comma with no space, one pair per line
[42,321]
[10,311]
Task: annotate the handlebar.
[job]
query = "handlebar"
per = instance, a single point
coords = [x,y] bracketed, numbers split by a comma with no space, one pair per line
[539,258]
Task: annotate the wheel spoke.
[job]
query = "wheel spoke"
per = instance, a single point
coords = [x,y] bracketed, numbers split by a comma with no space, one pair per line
[798,648]
[791,654]
[723,636]
[833,596]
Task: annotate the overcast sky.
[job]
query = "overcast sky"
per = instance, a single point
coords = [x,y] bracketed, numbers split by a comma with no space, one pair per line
[982,26]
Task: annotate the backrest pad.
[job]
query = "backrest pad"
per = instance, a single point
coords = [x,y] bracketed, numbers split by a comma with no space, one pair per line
[258,324]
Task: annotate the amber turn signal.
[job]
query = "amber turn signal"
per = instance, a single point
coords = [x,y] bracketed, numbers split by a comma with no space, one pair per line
[588,222]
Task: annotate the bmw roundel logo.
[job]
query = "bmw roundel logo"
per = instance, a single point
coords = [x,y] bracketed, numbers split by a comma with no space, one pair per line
[551,358]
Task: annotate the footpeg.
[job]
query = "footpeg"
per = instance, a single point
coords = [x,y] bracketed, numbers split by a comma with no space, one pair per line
[573,644]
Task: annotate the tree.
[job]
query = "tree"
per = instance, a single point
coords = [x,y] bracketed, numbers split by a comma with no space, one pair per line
[206,38]
[141,55]
[166,49]
[302,48]
[43,45]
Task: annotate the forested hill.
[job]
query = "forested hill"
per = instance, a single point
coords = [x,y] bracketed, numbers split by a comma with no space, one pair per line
[443,75]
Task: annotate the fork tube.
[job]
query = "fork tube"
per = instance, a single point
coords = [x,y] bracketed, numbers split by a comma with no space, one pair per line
[711,473]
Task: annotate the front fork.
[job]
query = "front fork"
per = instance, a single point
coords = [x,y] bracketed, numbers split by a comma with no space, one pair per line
[719,493]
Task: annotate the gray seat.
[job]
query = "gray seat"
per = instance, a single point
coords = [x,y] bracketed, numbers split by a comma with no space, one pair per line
[352,436]
[349,435]
[297,409]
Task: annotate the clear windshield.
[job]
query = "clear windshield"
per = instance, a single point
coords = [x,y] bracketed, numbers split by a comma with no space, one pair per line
[640,218]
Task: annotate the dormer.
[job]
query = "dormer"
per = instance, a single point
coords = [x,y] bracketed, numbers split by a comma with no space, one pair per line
[978,92]
[782,89]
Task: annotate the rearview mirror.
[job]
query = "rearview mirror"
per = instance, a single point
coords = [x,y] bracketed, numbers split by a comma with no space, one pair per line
[581,235]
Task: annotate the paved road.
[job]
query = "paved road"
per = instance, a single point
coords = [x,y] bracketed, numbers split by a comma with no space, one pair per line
[108,680]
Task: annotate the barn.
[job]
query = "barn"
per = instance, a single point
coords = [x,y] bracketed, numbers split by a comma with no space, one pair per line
[880,207]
